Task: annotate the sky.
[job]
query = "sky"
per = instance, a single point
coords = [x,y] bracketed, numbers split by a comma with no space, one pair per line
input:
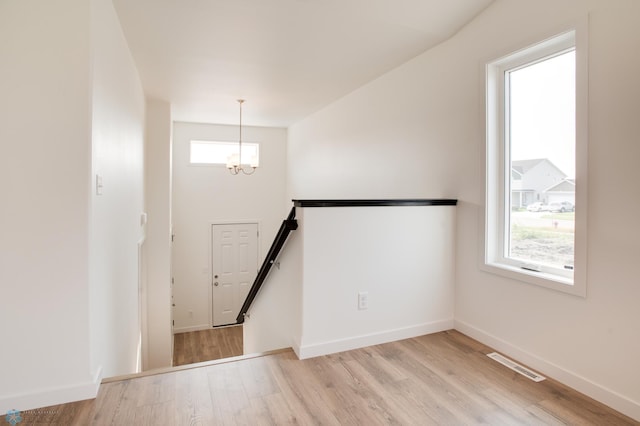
[543,112]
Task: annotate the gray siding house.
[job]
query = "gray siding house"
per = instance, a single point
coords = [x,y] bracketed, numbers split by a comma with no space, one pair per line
[539,180]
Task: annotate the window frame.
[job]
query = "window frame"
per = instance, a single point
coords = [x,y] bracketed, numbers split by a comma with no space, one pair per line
[245,158]
[497,171]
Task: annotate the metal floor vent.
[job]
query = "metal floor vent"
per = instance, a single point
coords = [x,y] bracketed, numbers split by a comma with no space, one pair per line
[516,367]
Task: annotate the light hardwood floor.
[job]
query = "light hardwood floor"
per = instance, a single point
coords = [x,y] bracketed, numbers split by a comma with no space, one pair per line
[440,379]
[207,345]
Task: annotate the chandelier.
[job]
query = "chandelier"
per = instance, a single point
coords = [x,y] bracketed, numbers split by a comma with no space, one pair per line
[234,161]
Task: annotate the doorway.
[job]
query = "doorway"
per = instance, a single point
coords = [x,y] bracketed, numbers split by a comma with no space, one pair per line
[234,267]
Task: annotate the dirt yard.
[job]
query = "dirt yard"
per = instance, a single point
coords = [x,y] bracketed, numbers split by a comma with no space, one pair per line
[543,237]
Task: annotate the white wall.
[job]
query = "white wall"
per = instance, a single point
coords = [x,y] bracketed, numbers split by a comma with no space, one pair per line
[418,131]
[44,191]
[203,195]
[587,343]
[118,110]
[402,256]
[55,57]
[275,316]
[159,350]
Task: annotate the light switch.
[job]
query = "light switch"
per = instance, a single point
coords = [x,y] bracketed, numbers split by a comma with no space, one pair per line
[98,185]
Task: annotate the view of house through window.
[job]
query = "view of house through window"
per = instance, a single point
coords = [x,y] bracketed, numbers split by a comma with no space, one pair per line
[540,134]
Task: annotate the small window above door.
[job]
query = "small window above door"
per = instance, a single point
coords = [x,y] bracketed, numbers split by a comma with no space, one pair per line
[216,152]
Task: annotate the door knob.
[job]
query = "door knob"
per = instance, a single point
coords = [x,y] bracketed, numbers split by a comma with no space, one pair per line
[216,284]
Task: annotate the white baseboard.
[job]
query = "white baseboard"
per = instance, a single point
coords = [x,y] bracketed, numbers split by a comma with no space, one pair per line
[179,330]
[97,378]
[52,396]
[600,393]
[296,350]
[355,342]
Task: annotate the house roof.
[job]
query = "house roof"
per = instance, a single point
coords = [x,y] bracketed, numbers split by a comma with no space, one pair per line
[516,174]
[523,166]
[567,185]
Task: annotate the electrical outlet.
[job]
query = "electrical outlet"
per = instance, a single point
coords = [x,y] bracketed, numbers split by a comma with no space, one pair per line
[363,300]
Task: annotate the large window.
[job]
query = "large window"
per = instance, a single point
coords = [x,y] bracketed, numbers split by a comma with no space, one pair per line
[531,164]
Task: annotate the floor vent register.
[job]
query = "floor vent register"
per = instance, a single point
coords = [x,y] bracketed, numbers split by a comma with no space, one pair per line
[516,367]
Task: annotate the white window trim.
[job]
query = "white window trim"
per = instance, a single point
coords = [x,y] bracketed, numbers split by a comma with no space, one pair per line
[245,161]
[495,197]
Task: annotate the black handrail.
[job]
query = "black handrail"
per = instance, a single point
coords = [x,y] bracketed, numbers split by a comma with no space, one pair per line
[377,202]
[288,225]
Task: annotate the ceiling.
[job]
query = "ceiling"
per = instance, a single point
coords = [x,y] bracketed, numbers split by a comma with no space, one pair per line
[287,58]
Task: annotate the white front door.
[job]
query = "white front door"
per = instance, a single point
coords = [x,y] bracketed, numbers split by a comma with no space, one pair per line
[235,266]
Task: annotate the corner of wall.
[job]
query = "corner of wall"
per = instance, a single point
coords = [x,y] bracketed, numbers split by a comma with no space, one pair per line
[563,375]
[52,396]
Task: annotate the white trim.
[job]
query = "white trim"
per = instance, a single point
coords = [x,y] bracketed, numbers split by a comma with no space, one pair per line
[219,143]
[53,396]
[178,330]
[356,342]
[143,289]
[97,378]
[493,261]
[567,377]
[296,348]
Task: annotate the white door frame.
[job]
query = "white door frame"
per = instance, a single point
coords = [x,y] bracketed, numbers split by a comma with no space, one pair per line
[143,339]
[260,255]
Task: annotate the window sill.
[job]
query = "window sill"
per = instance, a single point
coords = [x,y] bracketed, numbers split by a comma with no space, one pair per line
[541,279]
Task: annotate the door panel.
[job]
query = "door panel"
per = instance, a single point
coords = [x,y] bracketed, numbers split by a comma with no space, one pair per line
[234,266]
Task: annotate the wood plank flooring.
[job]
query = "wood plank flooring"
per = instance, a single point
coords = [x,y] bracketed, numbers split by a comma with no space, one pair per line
[440,379]
[207,345]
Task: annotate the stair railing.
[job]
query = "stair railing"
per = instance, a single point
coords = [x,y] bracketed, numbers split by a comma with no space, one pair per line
[288,225]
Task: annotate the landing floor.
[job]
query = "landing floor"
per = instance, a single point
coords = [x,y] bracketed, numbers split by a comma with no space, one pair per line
[440,379]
